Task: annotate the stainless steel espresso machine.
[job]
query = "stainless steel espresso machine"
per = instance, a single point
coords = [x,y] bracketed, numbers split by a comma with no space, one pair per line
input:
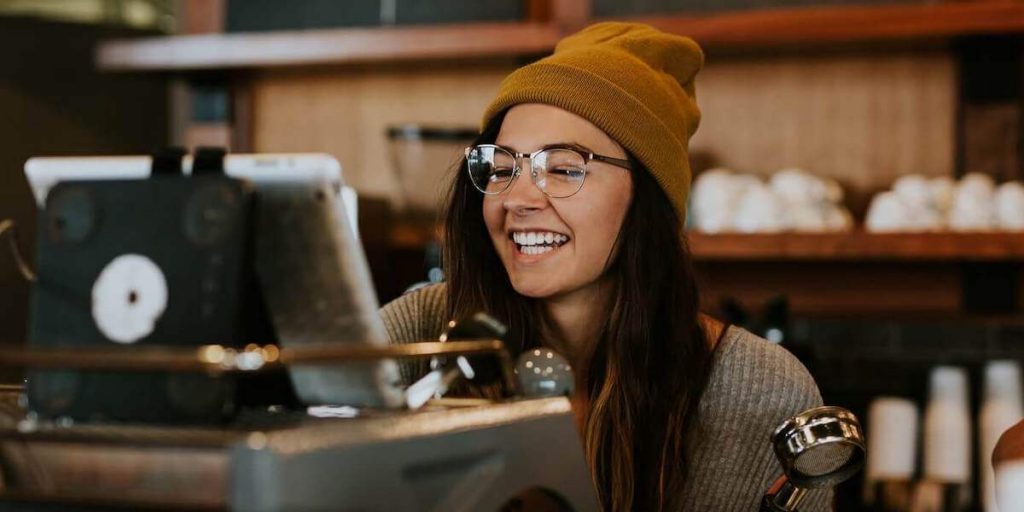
[204,336]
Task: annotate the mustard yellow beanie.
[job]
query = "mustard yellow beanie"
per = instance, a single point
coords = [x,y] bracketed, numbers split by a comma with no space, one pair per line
[632,81]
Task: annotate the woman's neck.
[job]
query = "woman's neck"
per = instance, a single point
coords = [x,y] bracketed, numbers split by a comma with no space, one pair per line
[573,320]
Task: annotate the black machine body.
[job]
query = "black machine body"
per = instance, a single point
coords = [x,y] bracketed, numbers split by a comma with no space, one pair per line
[136,263]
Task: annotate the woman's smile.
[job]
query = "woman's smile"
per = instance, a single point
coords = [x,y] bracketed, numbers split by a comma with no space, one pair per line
[533,245]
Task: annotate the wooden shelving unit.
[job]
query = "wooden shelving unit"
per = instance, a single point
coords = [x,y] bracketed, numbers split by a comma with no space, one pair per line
[756,29]
[858,246]
[842,273]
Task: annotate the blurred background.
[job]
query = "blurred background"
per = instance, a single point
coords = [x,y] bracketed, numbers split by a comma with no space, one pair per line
[857,198]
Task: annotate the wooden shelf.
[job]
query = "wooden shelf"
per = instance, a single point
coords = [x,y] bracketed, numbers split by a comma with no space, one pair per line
[847,24]
[756,29]
[852,246]
[319,47]
[858,246]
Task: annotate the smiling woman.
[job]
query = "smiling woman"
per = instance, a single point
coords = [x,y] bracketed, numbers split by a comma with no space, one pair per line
[565,222]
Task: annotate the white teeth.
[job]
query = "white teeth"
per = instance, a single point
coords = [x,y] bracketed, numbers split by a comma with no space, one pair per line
[533,251]
[538,238]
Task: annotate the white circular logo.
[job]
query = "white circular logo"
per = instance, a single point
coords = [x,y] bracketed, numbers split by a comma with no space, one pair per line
[128,297]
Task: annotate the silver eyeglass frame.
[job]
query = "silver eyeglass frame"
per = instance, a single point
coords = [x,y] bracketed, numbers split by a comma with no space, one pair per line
[517,169]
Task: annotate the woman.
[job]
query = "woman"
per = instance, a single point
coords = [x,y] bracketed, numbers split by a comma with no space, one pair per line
[566,223]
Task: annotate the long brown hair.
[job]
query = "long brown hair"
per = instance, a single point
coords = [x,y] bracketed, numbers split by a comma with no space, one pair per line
[644,375]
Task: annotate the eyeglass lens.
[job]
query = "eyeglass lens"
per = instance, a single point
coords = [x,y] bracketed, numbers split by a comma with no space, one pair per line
[557,172]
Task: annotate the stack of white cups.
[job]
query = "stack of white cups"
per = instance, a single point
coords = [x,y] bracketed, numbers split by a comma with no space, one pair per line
[1001,409]
[791,200]
[920,204]
[947,430]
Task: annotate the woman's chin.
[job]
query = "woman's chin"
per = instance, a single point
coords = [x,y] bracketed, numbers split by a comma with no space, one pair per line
[534,288]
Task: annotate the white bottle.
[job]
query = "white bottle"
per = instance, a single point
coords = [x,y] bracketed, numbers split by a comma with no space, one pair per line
[947,435]
[892,453]
[1002,408]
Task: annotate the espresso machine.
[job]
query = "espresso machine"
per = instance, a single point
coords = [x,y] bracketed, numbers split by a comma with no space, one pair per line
[295,402]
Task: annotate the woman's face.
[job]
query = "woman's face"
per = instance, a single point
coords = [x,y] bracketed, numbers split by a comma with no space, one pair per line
[588,221]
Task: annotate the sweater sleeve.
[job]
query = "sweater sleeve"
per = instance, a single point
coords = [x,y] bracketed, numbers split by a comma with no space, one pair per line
[415,316]
[754,386]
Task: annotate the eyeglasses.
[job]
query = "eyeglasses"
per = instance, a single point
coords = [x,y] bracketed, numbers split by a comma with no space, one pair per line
[557,171]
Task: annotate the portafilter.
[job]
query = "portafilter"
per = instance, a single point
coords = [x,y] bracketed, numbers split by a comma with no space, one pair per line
[818,448]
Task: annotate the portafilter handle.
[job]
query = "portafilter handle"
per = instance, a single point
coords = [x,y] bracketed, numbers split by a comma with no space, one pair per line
[782,497]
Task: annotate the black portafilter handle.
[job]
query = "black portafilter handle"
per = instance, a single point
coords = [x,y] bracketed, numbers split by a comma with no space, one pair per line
[485,369]
[818,448]
[446,372]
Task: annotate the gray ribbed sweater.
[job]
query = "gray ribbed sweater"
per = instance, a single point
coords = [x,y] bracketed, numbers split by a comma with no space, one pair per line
[754,386]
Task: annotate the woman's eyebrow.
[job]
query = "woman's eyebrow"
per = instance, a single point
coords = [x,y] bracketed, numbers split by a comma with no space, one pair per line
[574,145]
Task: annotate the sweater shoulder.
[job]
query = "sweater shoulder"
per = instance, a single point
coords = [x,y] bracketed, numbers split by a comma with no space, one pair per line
[754,386]
[749,367]
[416,315]
[757,382]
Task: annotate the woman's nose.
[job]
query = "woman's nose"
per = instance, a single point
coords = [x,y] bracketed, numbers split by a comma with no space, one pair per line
[524,195]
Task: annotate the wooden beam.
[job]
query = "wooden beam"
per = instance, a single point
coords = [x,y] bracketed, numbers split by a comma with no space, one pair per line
[802,27]
[842,24]
[858,246]
[333,46]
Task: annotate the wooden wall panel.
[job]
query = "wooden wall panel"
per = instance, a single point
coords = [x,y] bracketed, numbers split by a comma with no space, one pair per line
[346,112]
[202,16]
[860,118]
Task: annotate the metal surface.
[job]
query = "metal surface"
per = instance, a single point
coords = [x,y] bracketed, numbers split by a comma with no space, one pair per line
[818,448]
[210,358]
[316,283]
[217,359]
[469,458]
[824,460]
[544,372]
[799,441]
[8,227]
